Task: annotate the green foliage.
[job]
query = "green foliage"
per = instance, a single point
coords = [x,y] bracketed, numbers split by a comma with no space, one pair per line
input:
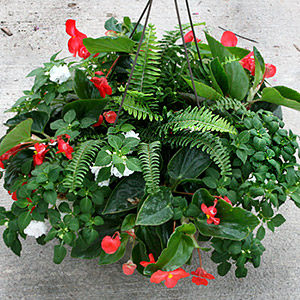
[79,166]
[149,157]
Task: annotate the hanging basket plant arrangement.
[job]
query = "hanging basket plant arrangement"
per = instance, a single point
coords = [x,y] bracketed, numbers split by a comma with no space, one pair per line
[165,146]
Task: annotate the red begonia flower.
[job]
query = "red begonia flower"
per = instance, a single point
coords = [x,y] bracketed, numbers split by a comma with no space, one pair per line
[151,261]
[99,73]
[248,62]
[201,277]
[229,39]
[64,147]
[128,268]
[171,278]
[40,153]
[102,85]
[100,121]
[111,244]
[75,43]
[13,195]
[189,37]
[110,116]
[210,213]
[270,70]
[11,152]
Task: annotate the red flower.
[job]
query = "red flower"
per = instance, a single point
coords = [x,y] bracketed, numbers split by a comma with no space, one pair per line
[229,39]
[111,244]
[75,43]
[110,116]
[200,277]
[270,70]
[13,151]
[102,85]
[64,147]
[100,121]
[128,268]
[170,278]
[99,73]
[146,263]
[210,212]
[225,199]
[189,37]
[40,153]
[14,195]
[248,62]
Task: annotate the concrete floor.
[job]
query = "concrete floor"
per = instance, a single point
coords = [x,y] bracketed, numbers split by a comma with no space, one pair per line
[275,24]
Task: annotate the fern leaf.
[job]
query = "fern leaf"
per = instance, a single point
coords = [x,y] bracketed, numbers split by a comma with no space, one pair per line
[149,157]
[225,104]
[80,164]
[197,120]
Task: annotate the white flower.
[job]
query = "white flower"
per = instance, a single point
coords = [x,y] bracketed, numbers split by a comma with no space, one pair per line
[132,134]
[127,172]
[36,229]
[95,170]
[104,183]
[114,171]
[60,74]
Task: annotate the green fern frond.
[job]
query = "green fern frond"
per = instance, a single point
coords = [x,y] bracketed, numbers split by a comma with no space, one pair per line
[79,166]
[137,109]
[207,142]
[197,120]
[147,70]
[149,157]
[225,104]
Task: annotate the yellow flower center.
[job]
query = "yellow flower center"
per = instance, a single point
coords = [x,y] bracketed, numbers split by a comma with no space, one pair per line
[208,216]
[170,276]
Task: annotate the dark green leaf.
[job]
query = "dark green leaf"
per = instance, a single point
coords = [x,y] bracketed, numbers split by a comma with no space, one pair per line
[24,220]
[59,254]
[224,268]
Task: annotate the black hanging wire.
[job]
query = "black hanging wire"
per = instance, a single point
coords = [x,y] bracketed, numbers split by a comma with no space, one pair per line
[131,35]
[149,5]
[186,52]
[193,29]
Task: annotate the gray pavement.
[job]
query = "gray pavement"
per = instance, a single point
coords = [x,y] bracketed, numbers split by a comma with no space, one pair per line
[274,23]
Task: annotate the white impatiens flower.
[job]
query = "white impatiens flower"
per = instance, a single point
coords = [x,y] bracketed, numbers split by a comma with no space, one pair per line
[36,229]
[95,170]
[127,172]
[132,134]
[60,74]
[115,172]
[104,183]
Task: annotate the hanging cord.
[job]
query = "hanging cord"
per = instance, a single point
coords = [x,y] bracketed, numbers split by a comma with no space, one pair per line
[193,29]
[135,61]
[112,68]
[186,53]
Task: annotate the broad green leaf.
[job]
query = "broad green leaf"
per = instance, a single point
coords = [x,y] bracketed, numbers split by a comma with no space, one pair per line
[83,87]
[188,163]
[217,49]
[39,118]
[272,95]
[238,80]
[235,222]
[179,249]
[129,222]
[238,53]
[218,76]
[288,93]
[20,134]
[259,67]
[139,253]
[50,197]
[59,254]
[24,220]
[126,194]
[106,259]
[109,44]
[203,90]
[91,108]
[156,209]
[224,268]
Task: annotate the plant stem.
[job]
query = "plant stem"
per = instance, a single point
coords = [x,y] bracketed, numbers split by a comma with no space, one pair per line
[200,259]
[183,193]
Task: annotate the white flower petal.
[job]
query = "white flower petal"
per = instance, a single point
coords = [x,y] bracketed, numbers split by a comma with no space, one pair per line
[36,229]
[59,74]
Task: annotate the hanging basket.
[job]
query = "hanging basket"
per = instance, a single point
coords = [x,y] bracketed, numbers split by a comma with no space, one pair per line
[166,146]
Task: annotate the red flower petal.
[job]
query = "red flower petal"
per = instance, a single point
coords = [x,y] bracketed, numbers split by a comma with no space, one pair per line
[100,121]
[229,39]
[128,268]
[204,208]
[110,117]
[111,244]
[159,276]
[199,281]
[151,261]
[270,71]
[70,27]
[189,37]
